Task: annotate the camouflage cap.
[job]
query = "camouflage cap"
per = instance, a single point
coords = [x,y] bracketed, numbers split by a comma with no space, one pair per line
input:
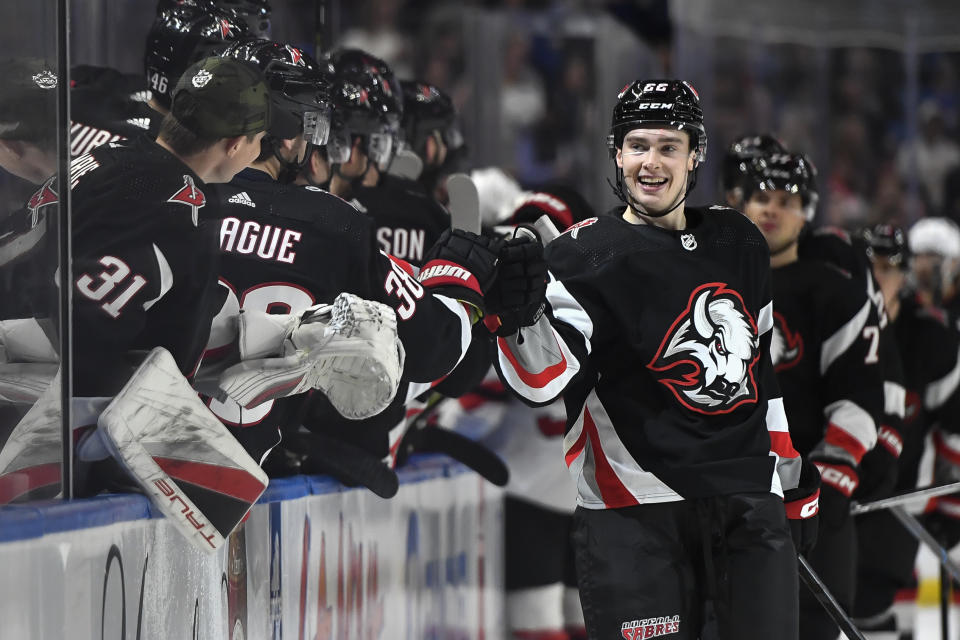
[222,98]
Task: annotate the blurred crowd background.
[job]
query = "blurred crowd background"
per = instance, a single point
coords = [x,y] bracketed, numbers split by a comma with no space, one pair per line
[868,88]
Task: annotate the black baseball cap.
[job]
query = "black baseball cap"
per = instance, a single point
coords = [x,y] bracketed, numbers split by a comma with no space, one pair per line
[222,98]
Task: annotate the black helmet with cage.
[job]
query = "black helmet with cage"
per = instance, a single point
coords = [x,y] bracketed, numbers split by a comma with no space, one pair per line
[300,92]
[368,103]
[741,152]
[181,36]
[887,241]
[671,104]
[426,111]
[791,172]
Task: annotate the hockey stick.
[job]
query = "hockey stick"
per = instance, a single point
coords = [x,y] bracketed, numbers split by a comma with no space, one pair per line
[433,439]
[826,599]
[464,203]
[348,463]
[911,524]
[904,498]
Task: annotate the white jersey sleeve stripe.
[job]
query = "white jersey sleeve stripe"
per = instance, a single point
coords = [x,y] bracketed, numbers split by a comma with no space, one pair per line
[837,344]
[541,366]
[939,391]
[566,308]
[853,420]
[894,399]
[776,415]
[765,319]
[466,327]
[166,277]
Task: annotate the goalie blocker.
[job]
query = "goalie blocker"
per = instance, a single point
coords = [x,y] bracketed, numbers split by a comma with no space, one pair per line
[178,452]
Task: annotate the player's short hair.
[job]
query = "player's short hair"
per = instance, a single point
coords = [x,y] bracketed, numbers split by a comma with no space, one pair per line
[185,142]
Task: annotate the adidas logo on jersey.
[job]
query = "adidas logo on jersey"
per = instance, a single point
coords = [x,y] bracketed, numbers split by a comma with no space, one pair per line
[242,198]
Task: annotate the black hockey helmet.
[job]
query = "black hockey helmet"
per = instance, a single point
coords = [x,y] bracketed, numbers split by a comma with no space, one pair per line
[887,241]
[181,36]
[367,102]
[740,152]
[790,172]
[674,103]
[300,88]
[427,109]
[255,13]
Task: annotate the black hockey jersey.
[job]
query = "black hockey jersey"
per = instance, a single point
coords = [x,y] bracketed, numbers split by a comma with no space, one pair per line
[107,106]
[407,221]
[826,351]
[144,263]
[287,247]
[930,349]
[659,342]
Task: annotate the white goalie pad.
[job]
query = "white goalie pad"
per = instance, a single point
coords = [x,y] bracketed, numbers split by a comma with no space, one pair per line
[24,340]
[348,350]
[180,453]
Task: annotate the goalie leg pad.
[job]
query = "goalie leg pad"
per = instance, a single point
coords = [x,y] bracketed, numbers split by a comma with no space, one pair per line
[179,453]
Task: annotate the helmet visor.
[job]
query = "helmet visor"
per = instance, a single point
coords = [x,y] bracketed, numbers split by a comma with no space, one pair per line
[380,149]
[338,147]
[316,127]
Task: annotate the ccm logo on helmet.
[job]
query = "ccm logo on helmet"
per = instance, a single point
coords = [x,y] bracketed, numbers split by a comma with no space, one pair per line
[655,105]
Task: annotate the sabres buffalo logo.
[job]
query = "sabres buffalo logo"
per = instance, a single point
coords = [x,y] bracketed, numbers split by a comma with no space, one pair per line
[708,355]
[786,346]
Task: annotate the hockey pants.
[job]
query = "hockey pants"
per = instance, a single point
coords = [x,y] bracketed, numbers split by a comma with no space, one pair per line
[671,569]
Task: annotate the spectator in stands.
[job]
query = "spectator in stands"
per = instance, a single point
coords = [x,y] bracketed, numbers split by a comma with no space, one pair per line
[930,157]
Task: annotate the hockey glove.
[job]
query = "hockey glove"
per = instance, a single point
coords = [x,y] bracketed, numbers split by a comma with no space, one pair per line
[802,506]
[518,295]
[838,481]
[879,467]
[348,350]
[462,265]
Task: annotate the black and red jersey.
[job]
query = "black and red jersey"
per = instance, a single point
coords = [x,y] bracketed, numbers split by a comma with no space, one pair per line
[827,354]
[144,262]
[287,247]
[107,106]
[407,221]
[659,342]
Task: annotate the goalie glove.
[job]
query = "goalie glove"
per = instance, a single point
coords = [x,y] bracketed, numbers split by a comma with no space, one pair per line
[348,350]
[462,265]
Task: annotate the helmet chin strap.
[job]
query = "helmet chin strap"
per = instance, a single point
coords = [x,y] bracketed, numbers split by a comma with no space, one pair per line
[289,170]
[627,198]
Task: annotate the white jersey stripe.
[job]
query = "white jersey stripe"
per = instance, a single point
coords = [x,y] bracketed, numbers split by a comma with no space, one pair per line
[776,415]
[543,385]
[854,420]
[894,399]
[466,327]
[765,318]
[566,308]
[642,485]
[837,344]
[939,391]
[166,277]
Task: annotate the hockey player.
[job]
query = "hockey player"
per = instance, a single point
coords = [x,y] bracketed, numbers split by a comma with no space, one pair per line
[431,132]
[408,221]
[286,247]
[826,351]
[254,13]
[672,405]
[928,343]
[144,268]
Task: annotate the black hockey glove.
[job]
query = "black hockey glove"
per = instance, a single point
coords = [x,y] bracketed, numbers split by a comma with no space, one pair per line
[838,481]
[878,473]
[462,265]
[802,505]
[518,295]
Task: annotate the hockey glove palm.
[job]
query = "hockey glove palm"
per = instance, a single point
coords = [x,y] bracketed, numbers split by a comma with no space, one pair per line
[838,481]
[879,467]
[518,296]
[462,265]
[802,505]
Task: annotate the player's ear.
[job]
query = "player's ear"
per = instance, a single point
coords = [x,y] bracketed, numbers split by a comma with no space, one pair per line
[620,158]
[233,145]
[691,160]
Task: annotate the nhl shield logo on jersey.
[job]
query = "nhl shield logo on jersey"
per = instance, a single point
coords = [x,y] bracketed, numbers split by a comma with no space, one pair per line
[191,196]
[707,356]
[650,628]
[786,346]
[688,241]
